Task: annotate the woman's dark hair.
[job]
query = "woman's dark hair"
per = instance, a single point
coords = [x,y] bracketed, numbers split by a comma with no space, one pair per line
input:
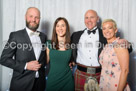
[54,35]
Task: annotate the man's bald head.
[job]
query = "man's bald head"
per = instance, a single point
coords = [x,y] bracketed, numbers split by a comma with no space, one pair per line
[91,11]
[91,19]
[32,18]
[32,8]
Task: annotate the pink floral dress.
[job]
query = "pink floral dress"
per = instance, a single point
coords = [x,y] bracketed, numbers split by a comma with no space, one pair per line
[111,71]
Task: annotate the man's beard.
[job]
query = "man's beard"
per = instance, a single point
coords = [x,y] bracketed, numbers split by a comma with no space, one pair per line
[34,28]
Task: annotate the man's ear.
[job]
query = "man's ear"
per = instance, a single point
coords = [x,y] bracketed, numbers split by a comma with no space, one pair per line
[25,17]
[98,19]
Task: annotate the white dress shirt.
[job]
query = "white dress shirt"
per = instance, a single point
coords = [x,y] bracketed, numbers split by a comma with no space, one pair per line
[36,44]
[87,53]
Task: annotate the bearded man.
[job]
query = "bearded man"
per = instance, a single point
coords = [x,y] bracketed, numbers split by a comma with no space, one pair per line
[24,54]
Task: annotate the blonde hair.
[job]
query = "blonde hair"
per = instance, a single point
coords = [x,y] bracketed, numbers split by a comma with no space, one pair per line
[110,20]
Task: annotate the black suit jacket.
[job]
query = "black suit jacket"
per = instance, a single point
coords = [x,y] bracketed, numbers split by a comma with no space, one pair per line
[75,39]
[15,57]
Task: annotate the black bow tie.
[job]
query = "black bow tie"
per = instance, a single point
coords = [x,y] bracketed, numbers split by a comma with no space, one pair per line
[93,31]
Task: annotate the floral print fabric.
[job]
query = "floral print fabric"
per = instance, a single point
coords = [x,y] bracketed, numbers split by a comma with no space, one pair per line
[111,71]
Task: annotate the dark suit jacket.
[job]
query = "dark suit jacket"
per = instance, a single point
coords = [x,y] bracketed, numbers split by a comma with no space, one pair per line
[15,57]
[75,39]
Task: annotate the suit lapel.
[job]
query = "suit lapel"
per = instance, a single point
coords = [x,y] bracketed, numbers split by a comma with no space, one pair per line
[42,43]
[28,41]
[42,38]
[77,36]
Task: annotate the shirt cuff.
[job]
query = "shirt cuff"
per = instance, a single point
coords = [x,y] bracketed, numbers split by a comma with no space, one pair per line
[25,66]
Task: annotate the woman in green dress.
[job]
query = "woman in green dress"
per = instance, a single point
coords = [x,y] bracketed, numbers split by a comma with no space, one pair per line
[59,54]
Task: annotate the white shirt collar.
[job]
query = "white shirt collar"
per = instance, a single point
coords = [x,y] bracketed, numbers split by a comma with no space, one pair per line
[92,29]
[28,31]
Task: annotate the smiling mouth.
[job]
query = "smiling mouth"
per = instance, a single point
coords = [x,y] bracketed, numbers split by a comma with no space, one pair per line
[89,24]
[60,32]
[32,23]
[107,34]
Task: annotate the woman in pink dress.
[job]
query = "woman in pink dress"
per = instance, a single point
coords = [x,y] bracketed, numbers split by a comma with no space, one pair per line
[114,60]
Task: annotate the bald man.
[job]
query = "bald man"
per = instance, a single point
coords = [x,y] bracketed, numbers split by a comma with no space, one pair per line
[25,54]
[86,54]
[89,44]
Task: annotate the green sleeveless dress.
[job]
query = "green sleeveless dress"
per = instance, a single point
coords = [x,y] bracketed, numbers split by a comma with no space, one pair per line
[60,75]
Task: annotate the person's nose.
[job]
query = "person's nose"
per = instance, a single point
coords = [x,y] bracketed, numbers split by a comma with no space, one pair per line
[60,27]
[33,19]
[106,30]
[89,20]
